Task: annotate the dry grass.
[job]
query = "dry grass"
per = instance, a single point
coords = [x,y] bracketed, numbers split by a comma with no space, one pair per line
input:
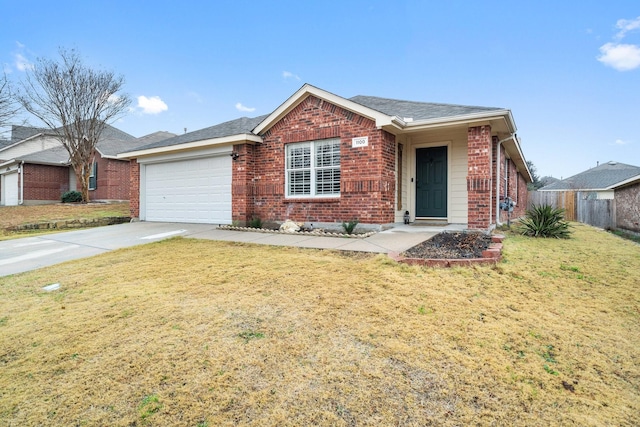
[188,332]
[11,216]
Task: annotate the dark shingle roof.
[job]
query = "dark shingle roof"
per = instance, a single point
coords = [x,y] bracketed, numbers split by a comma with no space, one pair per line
[234,127]
[417,110]
[52,156]
[601,177]
[18,133]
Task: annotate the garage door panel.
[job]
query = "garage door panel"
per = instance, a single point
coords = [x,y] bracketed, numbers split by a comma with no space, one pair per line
[10,189]
[196,190]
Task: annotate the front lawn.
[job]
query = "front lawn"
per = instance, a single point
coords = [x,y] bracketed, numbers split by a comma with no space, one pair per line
[12,216]
[201,333]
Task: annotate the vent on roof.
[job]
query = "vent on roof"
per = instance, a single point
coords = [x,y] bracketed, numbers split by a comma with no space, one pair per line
[613,163]
[407,119]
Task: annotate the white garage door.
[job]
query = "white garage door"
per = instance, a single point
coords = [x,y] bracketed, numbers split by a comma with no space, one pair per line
[10,189]
[194,190]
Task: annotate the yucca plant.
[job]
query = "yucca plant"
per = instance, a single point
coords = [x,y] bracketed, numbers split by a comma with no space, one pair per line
[350,226]
[545,221]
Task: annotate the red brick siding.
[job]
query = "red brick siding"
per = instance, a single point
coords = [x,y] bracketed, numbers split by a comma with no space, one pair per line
[113,180]
[516,188]
[523,198]
[42,182]
[628,207]
[134,188]
[479,177]
[367,173]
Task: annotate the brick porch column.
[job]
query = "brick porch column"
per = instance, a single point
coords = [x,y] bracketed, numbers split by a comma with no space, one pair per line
[134,188]
[242,185]
[479,182]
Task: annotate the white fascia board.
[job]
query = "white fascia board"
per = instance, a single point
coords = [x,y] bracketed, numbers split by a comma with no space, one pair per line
[8,163]
[621,183]
[306,90]
[195,145]
[218,150]
[466,119]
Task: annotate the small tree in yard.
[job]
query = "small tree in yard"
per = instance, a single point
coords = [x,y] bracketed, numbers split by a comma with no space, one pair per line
[76,102]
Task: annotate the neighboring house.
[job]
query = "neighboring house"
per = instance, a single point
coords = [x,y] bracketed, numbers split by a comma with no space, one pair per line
[36,169]
[609,181]
[600,182]
[320,158]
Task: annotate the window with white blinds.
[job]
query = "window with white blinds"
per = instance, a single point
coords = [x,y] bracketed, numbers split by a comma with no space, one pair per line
[313,169]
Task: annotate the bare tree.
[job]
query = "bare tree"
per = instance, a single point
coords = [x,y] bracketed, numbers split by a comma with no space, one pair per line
[8,106]
[76,102]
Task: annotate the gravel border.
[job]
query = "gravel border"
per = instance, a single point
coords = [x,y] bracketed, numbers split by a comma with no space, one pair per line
[303,233]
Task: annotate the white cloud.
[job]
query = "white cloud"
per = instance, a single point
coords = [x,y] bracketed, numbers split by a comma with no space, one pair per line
[620,142]
[290,75]
[622,57]
[241,107]
[626,25]
[22,63]
[151,105]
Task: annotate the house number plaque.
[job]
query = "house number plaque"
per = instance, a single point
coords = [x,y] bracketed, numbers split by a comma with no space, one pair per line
[361,141]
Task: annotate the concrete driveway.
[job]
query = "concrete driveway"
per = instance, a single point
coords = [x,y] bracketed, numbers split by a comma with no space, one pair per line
[30,253]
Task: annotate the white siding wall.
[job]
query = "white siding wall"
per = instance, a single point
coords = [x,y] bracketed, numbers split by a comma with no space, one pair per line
[456,140]
[28,147]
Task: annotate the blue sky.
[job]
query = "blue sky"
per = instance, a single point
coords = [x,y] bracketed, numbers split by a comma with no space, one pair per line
[569,71]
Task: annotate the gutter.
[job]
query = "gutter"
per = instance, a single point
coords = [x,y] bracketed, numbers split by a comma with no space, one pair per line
[21,178]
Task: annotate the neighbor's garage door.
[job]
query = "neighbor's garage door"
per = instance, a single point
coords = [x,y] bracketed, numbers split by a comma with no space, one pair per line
[195,190]
[10,189]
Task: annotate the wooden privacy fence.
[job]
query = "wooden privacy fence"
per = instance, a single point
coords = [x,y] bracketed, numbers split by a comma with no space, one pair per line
[578,206]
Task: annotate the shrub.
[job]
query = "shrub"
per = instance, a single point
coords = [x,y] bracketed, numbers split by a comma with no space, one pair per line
[350,226]
[545,221]
[255,222]
[71,197]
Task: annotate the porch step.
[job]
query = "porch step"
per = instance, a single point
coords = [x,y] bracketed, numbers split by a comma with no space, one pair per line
[429,222]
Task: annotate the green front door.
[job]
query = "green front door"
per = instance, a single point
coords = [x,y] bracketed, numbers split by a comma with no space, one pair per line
[431,182]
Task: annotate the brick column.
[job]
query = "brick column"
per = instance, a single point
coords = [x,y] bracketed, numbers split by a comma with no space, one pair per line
[479,182]
[134,188]
[242,185]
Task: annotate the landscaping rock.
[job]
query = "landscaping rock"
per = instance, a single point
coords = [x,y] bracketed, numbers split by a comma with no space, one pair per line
[289,227]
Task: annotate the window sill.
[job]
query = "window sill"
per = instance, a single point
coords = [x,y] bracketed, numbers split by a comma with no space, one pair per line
[311,200]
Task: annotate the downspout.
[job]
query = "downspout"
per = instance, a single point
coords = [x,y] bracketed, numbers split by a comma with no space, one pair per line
[512,136]
[21,178]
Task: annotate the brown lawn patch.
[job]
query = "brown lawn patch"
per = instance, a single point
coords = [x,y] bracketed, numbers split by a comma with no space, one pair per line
[183,332]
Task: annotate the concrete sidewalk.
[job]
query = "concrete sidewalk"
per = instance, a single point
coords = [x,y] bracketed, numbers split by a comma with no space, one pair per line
[396,239]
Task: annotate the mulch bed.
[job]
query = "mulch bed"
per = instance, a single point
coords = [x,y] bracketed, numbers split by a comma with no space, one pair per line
[448,245]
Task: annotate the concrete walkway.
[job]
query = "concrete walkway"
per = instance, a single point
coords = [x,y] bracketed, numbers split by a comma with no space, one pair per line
[30,253]
[396,239]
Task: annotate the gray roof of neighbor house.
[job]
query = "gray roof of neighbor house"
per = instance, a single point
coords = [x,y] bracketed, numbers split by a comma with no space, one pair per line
[603,177]
[234,127]
[114,141]
[57,156]
[417,110]
[18,133]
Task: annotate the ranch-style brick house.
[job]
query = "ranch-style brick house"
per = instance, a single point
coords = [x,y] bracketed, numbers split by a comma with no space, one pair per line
[320,158]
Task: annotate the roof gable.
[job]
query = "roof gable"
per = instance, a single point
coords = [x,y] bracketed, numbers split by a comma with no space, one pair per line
[381,119]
